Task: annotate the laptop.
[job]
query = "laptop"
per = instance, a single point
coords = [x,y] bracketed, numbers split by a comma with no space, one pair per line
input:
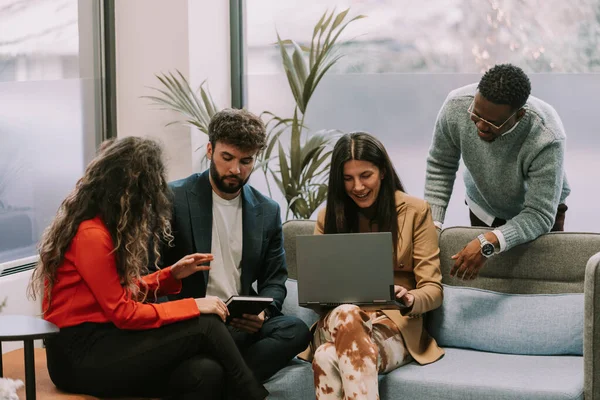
[348,268]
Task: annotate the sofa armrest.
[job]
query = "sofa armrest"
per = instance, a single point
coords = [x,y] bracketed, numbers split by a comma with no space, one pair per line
[591,331]
[291,307]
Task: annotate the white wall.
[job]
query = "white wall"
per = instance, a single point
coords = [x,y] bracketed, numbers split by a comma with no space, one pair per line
[155,36]
[151,37]
[209,52]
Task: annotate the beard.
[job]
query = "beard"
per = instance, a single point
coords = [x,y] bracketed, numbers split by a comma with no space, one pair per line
[230,186]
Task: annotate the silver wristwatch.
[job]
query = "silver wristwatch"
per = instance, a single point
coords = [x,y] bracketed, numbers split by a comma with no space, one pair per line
[487,248]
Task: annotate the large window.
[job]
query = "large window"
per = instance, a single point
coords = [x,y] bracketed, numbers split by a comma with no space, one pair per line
[458,36]
[50,111]
[404,58]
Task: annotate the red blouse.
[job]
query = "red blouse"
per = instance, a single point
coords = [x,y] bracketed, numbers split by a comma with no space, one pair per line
[88,288]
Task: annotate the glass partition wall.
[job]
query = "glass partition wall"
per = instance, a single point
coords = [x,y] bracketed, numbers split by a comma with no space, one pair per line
[51,114]
[402,60]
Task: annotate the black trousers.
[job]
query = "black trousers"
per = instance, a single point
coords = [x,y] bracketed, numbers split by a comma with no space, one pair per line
[559,221]
[194,359]
[273,346]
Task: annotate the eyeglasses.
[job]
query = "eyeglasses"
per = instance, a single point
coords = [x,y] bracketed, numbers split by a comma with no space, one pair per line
[477,118]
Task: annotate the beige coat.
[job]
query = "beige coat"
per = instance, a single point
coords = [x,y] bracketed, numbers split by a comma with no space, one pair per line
[417,268]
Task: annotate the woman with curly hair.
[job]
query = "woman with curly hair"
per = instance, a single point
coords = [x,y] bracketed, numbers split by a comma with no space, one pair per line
[92,274]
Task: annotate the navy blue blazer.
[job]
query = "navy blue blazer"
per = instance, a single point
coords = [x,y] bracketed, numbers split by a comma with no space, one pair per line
[263,256]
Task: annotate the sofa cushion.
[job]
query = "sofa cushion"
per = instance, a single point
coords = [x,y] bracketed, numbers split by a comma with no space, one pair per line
[541,324]
[460,374]
[291,307]
[468,375]
[293,382]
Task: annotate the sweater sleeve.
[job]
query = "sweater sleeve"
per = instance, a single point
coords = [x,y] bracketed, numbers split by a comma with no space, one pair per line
[442,163]
[96,264]
[426,255]
[544,180]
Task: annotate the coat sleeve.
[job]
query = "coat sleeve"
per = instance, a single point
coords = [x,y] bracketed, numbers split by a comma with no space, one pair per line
[426,257]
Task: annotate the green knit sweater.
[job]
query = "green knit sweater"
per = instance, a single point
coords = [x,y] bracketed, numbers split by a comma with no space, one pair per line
[519,177]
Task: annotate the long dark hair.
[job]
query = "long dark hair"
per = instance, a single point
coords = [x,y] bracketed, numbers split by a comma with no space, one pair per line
[126,186]
[341,214]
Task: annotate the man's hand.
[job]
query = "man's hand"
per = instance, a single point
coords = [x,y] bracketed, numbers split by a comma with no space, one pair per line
[190,264]
[402,294]
[212,305]
[468,261]
[249,323]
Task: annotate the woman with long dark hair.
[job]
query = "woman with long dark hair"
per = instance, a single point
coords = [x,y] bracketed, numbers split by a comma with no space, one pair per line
[351,346]
[92,275]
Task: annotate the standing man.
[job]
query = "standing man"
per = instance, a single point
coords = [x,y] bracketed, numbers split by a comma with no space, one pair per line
[216,212]
[513,147]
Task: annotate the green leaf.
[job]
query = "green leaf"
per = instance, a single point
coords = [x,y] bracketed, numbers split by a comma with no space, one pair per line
[299,207]
[277,181]
[199,112]
[161,101]
[284,170]
[177,95]
[175,99]
[344,27]
[312,51]
[323,28]
[293,79]
[340,17]
[273,139]
[176,90]
[295,148]
[322,73]
[288,42]
[299,64]
[314,165]
[327,21]
[208,103]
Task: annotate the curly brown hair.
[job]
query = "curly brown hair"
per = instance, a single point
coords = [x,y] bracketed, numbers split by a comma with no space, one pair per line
[126,186]
[237,127]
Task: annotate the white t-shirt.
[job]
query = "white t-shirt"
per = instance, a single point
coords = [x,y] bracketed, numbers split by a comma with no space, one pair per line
[224,278]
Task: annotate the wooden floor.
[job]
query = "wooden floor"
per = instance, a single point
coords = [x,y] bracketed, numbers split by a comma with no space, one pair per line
[13,363]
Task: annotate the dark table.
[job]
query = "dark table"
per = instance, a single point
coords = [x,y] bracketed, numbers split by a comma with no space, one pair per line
[27,329]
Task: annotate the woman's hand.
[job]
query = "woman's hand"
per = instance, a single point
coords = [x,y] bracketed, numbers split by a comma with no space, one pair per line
[190,264]
[403,295]
[212,305]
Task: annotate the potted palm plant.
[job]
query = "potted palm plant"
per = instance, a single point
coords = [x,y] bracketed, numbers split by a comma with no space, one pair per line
[298,166]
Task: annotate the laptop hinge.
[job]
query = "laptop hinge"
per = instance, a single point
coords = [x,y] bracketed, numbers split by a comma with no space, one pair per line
[380,301]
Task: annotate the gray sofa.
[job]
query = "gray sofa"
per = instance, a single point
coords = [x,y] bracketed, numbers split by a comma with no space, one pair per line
[551,265]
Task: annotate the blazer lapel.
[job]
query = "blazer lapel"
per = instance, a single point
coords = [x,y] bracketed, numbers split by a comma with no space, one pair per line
[201,218]
[252,227]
